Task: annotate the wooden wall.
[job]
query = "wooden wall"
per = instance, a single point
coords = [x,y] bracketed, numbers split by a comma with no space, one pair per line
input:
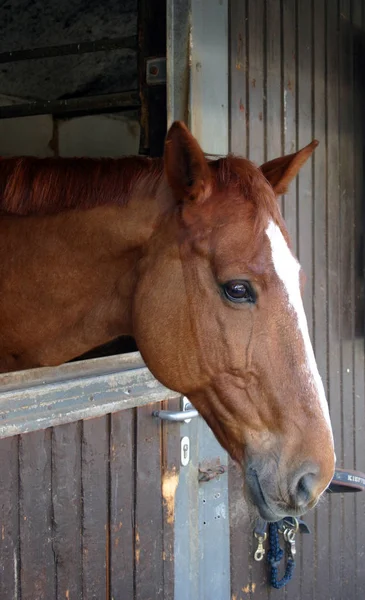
[84,511]
[297,74]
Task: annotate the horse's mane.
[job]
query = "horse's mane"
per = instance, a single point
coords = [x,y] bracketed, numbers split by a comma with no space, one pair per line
[31,185]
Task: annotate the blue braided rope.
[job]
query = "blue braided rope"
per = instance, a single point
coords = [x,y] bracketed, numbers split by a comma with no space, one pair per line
[274,557]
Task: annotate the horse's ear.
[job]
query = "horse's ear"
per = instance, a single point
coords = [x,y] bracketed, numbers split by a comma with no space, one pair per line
[186,167]
[281,171]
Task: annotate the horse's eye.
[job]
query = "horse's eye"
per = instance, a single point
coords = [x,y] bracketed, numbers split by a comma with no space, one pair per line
[239,291]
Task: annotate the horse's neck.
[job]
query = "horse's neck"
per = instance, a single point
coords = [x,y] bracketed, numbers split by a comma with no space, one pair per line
[87,264]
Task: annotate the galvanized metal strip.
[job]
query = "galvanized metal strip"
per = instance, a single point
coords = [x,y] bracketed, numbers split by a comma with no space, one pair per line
[177,59]
[199,44]
[209,74]
[43,398]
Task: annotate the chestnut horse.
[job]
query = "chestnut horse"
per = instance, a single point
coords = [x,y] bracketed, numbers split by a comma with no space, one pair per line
[191,257]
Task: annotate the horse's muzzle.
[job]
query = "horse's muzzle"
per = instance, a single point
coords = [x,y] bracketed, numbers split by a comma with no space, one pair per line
[272,501]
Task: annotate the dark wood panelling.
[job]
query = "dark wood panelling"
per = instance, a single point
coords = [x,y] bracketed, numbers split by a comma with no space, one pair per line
[358,371]
[66,510]
[241,538]
[95,508]
[304,51]
[313,87]
[37,565]
[149,515]
[9,519]
[333,233]
[289,110]
[320,287]
[346,216]
[122,462]
[90,525]
[273,82]
[257,43]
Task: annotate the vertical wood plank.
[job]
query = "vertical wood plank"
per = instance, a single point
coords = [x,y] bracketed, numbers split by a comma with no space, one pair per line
[66,500]
[359,359]
[333,227]
[289,99]
[37,576]
[122,457]
[256,80]
[305,226]
[347,284]
[9,519]
[320,297]
[305,135]
[149,513]
[257,41]
[95,522]
[273,83]
[208,100]
[239,78]
[281,110]
[241,541]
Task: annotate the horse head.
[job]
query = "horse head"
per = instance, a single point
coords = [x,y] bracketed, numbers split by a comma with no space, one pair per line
[218,316]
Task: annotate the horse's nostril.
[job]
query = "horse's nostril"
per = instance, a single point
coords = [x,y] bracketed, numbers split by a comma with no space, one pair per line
[304,490]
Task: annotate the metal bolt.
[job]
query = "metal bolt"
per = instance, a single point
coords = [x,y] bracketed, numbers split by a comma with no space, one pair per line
[153,70]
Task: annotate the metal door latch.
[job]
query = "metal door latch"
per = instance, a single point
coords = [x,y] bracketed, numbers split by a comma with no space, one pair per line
[186,413]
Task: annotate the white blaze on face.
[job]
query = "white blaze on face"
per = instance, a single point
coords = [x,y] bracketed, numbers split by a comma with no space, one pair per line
[287,269]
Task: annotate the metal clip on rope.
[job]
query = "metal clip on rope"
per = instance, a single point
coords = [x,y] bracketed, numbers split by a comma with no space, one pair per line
[260,552]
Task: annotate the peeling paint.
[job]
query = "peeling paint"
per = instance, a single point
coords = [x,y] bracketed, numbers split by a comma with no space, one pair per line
[170,482]
[220,511]
[15,573]
[285,111]
[239,59]
[138,550]
[249,588]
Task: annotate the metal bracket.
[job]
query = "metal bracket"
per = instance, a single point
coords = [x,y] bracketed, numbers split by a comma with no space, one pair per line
[156,71]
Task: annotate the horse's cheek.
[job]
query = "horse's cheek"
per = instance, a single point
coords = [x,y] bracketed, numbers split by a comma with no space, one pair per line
[161,325]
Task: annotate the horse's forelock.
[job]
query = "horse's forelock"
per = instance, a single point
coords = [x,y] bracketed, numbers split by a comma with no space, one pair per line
[245,182]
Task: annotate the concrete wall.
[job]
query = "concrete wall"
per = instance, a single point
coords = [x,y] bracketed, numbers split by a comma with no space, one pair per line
[96,135]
